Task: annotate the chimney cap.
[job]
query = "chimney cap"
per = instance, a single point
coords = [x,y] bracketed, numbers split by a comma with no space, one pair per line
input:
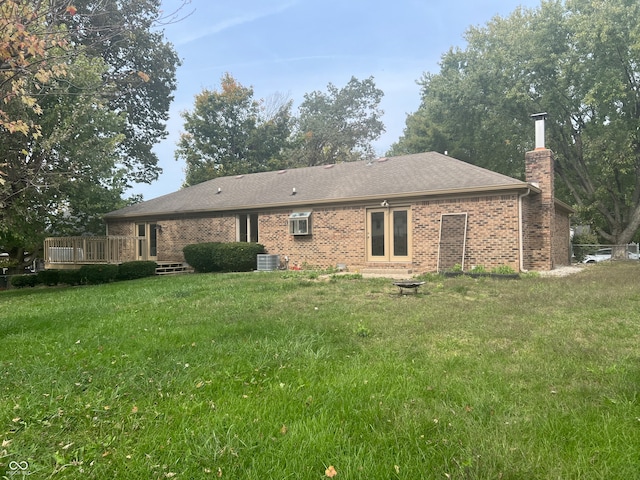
[540,116]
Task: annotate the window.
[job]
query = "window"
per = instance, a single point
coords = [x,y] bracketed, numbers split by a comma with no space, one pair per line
[248,228]
[300,223]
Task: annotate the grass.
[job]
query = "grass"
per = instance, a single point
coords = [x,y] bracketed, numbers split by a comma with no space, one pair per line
[280,375]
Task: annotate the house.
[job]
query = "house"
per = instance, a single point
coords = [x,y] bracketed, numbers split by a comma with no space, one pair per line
[412,213]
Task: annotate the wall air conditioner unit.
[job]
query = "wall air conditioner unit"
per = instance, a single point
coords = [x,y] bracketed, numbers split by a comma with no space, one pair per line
[300,223]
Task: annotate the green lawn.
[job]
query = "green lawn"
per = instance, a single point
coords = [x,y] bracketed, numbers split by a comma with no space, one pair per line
[280,375]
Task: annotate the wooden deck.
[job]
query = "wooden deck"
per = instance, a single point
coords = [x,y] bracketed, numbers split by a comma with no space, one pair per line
[73,252]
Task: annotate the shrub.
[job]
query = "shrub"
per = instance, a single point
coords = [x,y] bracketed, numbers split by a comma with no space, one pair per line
[48,277]
[239,256]
[95,274]
[138,269]
[503,270]
[21,281]
[223,257]
[201,257]
[69,277]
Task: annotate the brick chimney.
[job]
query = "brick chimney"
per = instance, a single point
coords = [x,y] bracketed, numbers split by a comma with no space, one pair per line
[540,208]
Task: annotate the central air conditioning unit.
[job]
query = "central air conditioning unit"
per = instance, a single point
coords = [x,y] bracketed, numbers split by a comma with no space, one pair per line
[267,263]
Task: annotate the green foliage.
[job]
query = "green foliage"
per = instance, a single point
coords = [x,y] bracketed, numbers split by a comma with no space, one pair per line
[576,60]
[584,244]
[97,274]
[345,276]
[137,269]
[430,277]
[362,330]
[97,122]
[478,269]
[228,133]
[503,270]
[21,281]
[141,73]
[340,125]
[456,268]
[48,277]
[223,257]
[69,277]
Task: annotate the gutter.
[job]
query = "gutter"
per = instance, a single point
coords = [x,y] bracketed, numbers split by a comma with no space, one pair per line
[520,229]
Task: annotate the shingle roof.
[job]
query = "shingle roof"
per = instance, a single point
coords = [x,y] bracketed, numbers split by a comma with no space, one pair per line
[420,174]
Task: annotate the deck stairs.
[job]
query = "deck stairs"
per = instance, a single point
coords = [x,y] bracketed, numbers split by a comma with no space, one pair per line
[172,268]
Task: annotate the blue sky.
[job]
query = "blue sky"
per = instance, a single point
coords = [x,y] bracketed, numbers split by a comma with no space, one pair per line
[293,47]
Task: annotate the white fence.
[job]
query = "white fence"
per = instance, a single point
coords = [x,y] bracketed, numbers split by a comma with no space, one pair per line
[87,250]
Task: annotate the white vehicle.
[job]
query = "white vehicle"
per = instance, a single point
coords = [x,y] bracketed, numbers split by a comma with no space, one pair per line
[605,254]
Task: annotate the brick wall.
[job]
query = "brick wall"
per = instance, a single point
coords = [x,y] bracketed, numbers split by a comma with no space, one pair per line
[491,236]
[177,233]
[539,213]
[339,234]
[561,240]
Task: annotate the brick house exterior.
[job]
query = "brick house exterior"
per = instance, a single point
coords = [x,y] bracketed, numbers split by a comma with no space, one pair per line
[421,213]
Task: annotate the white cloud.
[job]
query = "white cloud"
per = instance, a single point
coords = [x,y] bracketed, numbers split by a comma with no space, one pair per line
[249,15]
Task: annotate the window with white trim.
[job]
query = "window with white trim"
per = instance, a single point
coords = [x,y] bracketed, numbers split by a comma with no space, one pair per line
[247,228]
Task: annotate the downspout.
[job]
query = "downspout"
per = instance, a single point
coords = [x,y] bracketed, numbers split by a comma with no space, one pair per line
[520,229]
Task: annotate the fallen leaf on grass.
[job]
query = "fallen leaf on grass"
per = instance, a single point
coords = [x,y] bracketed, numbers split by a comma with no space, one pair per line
[284,430]
[330,472]
[134,409]
[6,443]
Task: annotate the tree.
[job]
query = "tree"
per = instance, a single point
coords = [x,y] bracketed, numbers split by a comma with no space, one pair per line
[83,106]
[579,61]
[141,71]
[339,126]
[28,44]
[53,181]
[229,133]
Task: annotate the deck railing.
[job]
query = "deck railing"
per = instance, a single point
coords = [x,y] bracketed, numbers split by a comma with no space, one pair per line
[60,251]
